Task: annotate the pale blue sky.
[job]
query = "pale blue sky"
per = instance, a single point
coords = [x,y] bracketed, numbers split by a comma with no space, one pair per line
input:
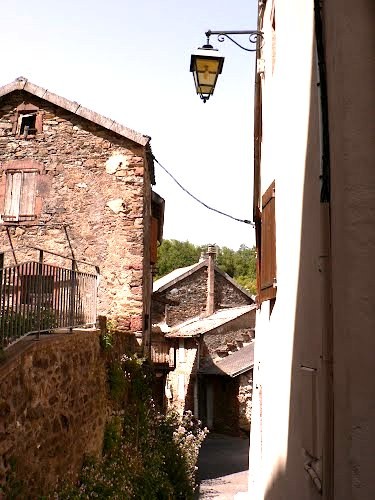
[129,60]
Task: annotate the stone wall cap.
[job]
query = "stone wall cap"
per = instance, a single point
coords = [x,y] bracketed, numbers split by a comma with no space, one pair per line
[22,83]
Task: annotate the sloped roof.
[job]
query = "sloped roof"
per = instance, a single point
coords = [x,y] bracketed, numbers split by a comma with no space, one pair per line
[22,83]
[199,325]
[234,364]
[171,279]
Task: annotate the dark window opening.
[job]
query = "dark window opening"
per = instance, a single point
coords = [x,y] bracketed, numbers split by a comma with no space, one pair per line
[28,124]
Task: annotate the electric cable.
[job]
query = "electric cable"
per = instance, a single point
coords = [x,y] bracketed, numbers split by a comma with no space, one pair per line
[245,221]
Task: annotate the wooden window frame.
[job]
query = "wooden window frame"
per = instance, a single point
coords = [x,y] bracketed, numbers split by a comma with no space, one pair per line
[27,110]
[266,245]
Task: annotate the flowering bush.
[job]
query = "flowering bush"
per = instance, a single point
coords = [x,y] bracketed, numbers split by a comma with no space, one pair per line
[189,437]
[146,455]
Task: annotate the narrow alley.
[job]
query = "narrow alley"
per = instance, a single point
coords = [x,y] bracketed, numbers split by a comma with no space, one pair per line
[223,467]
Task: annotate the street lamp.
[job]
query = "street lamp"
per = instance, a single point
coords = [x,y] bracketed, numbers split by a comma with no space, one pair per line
[206,63]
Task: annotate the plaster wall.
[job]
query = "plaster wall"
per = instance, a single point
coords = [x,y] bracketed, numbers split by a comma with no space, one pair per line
[287,415]
[289,334]
[181,380]
[351,84]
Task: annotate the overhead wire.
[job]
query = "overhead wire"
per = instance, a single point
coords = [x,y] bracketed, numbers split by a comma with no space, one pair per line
[245,221]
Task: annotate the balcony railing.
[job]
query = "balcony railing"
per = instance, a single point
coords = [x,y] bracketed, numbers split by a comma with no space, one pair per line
[36,297]
[162,353]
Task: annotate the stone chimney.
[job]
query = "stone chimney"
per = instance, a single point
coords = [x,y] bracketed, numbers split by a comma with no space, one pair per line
[211,254]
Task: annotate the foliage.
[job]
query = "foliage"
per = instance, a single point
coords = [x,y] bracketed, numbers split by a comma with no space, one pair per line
[239,264]
[189,436]
[173,254]
[14,324]
[146,455]
[112,435]
[107,337]
[116,381]
[15,486]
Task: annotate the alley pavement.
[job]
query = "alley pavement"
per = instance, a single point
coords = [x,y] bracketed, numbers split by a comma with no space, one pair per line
[223,467]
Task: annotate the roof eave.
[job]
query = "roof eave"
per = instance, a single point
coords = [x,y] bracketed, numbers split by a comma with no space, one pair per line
[74,107]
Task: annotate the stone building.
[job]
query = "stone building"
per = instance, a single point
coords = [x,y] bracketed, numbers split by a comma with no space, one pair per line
[200,315]
[226,390]
[76,187]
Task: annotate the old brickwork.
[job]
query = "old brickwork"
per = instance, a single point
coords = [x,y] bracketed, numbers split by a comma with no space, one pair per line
[93,201]
[53,408]
[190,297]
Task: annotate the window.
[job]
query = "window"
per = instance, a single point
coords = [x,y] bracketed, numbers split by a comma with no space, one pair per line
[26,124]
[267,251]
[20,194]
[28,121]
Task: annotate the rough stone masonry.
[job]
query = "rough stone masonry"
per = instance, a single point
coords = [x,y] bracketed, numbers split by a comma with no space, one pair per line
[92,199]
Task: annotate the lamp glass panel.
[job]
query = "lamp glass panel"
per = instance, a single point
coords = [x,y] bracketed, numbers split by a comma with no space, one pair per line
[207,64]
[203,89]
[206,78]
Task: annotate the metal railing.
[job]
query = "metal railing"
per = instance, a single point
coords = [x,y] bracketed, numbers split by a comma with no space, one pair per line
[36,297]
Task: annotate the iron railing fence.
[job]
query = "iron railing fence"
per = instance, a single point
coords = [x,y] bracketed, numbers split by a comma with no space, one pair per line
[37,297]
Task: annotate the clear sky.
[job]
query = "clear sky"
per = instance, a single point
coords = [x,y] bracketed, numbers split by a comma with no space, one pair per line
[129,60]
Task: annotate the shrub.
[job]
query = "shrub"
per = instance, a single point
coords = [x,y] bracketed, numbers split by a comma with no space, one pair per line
[146,455]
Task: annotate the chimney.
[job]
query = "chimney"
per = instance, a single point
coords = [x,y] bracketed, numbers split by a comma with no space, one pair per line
[211,253]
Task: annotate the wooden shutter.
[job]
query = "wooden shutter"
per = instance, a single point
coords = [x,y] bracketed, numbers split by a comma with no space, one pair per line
[12,196]
[154,240]
[28,194]
[20,194]
[268,246]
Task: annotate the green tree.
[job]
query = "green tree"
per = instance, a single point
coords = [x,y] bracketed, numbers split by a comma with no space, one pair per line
[173,254]
[239,264]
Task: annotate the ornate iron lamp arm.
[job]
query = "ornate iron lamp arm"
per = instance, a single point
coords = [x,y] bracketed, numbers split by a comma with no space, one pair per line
[221,35]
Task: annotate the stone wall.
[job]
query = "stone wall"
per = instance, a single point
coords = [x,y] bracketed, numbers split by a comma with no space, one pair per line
[53,408]
[93,201]
[190,295]
[235,332]
[228,295]
[245,397]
